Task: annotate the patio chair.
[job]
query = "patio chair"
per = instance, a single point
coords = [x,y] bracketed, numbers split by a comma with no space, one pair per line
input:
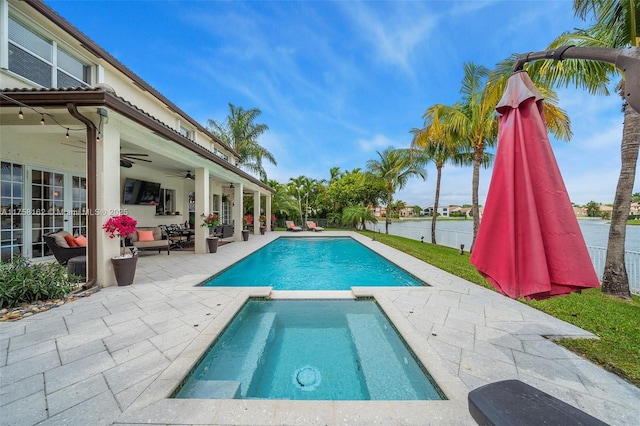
[61,249]
[311,226]
[292,226]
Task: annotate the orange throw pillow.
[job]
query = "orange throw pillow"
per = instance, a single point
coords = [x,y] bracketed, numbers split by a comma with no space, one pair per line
[71,241]
[312,225]
[145,236]
[81,241]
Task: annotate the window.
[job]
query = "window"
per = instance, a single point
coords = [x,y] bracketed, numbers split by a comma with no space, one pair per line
[186,133]
[42,61]
[221,154]
[11,210]
[167,202]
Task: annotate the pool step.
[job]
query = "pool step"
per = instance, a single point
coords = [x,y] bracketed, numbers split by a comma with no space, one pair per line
[239,360]
[255,350]
[211,389]
[384,375]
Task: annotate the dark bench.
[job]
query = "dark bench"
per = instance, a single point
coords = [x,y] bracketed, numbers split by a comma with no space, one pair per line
[512,402]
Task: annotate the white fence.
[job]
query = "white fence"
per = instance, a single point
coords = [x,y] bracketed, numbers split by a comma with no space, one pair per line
[631,261]
[452,238]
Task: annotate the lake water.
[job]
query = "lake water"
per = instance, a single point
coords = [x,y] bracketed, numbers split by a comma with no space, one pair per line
[595,232]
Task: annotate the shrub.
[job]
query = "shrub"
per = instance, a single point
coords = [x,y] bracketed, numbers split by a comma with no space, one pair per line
[24,282]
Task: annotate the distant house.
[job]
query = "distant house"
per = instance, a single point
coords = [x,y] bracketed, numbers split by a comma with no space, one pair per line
[605,209]
[580,211]
[442,211]
[457,211]
[635,209]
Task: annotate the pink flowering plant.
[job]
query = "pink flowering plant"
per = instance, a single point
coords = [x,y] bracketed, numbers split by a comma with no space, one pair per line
[247,220]
[212,220]
[123,226]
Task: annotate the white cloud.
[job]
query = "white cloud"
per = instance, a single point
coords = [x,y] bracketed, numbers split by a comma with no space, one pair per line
[395,33]
[377,143]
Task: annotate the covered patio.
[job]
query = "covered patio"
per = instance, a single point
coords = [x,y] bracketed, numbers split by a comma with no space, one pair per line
[72,173]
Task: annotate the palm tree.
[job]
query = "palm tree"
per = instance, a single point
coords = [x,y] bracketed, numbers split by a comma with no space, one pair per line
[308,189]
[298,188]
[241,133]
[334,174]
[440,152]
[474,122]
[616,25]
[282,203]
[394,167]
[353,215]
[396,207]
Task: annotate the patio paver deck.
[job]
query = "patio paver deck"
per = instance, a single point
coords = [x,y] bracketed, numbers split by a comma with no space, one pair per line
[114,357]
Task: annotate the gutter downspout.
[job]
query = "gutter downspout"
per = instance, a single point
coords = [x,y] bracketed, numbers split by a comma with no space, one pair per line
[626,60]
[92,219]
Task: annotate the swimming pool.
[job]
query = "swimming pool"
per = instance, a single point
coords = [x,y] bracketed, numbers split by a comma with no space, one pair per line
[310,350]
[315,263]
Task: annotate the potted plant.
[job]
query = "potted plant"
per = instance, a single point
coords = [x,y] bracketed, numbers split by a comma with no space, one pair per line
[263,224]
[124,266]
[247,220]
[211,221]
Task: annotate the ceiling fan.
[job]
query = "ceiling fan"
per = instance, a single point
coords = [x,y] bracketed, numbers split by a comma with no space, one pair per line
[127,160]
[179,174]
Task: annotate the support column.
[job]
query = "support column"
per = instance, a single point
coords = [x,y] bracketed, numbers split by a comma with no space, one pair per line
[202,206]
[267,211]
[236,212]
[256,213]
[107,200]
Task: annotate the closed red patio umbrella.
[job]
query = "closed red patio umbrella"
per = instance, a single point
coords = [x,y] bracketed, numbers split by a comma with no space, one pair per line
[529,243]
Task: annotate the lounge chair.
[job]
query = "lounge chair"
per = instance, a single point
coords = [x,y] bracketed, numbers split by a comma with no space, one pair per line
[311,226]
[292,226]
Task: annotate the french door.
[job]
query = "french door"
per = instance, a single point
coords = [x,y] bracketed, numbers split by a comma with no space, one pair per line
[56,200]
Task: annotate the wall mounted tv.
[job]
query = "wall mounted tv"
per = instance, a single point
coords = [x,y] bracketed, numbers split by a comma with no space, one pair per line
[141,192]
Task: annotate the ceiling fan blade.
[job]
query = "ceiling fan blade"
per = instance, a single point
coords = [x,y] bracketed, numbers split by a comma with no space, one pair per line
[136,155]
[128,157]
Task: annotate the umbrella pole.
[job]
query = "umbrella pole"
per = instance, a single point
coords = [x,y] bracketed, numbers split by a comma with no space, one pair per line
[626,60]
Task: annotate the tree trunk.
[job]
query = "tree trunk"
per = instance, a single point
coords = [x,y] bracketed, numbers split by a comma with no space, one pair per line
[475,208]
[615,281]
[387,218]
[435,205]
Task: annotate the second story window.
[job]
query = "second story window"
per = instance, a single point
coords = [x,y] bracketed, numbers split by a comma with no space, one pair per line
[42,61]
[221,154]
[186,132]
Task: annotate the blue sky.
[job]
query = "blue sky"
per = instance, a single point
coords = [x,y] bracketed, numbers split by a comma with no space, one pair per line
[337,81]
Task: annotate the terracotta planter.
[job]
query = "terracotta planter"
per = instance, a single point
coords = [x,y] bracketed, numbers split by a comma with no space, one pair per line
[212,242]
[124,269]
[245,235]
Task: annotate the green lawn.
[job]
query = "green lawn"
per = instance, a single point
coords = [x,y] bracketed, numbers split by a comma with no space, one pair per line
[616,322]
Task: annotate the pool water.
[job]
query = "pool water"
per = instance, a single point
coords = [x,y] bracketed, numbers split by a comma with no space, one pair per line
[310,350]
[322,263]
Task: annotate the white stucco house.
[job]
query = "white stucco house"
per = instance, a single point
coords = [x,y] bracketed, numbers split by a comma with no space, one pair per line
[76,125]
